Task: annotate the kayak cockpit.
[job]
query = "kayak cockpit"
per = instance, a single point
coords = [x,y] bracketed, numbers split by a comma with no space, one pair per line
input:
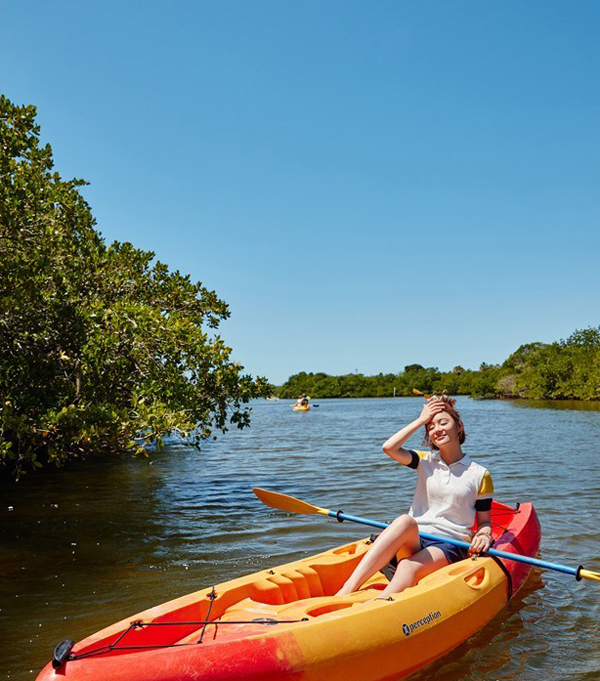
[243,610]
[291,594]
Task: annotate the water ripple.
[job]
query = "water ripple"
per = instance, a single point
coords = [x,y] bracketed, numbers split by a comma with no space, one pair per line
[83,547]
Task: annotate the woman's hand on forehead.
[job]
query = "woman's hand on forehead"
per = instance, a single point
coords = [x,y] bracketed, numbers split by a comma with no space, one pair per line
[432,407]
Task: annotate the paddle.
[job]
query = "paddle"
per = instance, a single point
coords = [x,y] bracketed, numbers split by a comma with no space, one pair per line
[283,502]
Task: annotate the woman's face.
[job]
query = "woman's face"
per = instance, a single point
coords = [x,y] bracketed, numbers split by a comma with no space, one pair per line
[442,429]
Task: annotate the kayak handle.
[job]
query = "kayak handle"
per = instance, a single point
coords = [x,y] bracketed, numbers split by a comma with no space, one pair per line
[61,653]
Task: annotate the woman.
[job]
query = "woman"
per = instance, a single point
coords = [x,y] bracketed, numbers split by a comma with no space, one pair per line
[452,490]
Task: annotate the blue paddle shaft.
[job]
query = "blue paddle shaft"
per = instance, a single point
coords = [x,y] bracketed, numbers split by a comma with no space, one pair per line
[339,515]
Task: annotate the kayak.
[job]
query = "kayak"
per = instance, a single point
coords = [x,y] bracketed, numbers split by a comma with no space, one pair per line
[286,624]
[299,408]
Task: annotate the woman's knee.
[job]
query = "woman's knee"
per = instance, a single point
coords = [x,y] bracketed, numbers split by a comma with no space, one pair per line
[408,571]
[403,523]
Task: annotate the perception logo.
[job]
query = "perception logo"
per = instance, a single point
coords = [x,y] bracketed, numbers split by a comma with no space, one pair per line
[428,619]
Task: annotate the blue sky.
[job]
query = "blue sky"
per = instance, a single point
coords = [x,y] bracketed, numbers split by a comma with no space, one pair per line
[368,185]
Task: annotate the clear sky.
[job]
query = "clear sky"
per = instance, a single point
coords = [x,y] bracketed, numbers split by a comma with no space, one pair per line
[368,185]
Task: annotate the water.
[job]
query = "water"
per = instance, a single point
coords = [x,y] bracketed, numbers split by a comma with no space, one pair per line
[85,546]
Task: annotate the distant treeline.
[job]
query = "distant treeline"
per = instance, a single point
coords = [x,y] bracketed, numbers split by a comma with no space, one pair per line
[565,369]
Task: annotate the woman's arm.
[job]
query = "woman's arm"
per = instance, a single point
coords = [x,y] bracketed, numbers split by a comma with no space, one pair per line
[482,540]
[393,446]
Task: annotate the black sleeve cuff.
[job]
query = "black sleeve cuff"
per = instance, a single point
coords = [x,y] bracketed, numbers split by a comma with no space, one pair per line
[414,461]
[483,505]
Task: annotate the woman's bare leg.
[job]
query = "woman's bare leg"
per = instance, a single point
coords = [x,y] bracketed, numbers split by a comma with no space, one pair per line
[411,570]
[402,532]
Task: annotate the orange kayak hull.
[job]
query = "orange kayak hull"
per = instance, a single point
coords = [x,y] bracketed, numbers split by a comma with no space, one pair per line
[286,624]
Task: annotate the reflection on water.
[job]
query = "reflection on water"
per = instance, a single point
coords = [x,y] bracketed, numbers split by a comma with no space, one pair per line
[557,404]
[85,546]
[491,654]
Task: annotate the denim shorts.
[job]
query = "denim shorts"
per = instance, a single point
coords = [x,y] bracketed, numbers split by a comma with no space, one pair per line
[453,555]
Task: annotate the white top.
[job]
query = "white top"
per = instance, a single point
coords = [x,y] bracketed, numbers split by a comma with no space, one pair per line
[444,501]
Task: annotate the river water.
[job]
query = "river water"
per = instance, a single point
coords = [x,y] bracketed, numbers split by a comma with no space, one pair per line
[87,545]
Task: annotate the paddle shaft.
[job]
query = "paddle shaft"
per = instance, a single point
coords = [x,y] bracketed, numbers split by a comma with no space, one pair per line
[284,502]
[340,516]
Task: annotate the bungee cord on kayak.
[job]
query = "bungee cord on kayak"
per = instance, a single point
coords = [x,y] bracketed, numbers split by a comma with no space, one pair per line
[62,652]
[211,597]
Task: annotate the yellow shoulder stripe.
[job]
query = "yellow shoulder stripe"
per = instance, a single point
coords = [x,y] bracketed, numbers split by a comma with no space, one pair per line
[486,488]
[422,454]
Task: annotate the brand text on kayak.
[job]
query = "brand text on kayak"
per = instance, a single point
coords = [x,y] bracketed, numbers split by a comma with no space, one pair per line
[409,628]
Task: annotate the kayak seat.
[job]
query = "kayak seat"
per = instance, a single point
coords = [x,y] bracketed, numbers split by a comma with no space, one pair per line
[333,571]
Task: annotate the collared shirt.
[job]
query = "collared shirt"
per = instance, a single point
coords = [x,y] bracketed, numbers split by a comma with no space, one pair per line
[446,495]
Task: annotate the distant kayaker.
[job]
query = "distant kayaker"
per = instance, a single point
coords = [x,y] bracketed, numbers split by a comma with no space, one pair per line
[452,491]
[302,401]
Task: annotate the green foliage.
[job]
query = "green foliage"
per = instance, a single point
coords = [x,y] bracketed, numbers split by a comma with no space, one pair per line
[567,369]
[357,385]
[102,348]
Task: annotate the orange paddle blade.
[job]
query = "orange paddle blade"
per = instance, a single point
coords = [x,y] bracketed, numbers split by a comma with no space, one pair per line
[283,502]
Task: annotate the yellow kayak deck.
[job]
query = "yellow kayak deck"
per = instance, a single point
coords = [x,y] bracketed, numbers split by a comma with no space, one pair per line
[360,635]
